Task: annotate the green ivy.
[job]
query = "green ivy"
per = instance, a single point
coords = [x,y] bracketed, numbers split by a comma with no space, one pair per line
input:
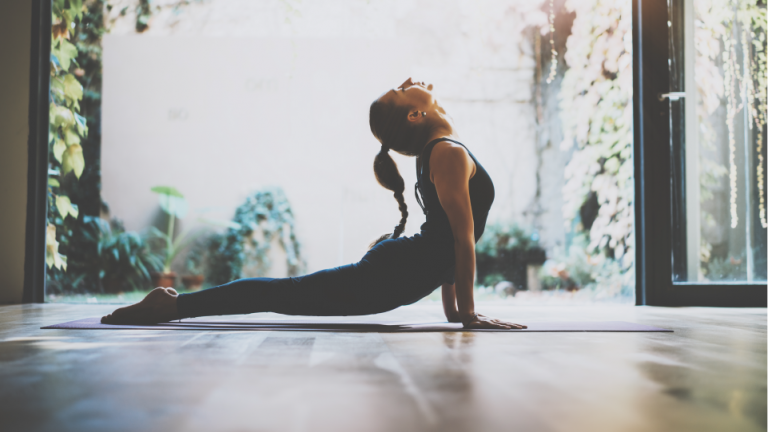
[596,111]
[67,128]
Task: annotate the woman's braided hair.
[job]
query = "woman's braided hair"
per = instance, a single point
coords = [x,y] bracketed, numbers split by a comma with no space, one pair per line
[389,124]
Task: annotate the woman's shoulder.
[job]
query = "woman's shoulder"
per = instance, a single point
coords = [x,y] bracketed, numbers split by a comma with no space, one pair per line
[450,156]
[448,149]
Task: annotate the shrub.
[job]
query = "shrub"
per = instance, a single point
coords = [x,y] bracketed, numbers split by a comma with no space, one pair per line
[504,252]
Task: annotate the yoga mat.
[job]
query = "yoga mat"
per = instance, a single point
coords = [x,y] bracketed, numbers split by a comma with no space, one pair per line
[94,323]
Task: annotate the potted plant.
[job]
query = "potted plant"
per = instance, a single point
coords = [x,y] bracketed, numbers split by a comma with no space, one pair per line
[505,253]
[123,258]
[193,281]
[175,206]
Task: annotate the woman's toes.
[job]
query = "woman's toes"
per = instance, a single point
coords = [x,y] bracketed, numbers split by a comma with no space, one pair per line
[171,291]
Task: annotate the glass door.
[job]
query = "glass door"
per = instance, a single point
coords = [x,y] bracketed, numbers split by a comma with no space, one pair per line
[717,126]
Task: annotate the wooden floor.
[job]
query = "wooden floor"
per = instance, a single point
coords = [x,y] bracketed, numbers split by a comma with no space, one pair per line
[709,375]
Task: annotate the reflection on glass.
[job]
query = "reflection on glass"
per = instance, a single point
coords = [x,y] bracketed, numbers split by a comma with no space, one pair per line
[719,151]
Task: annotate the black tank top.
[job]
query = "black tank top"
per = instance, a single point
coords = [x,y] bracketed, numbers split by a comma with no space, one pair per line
[481,193]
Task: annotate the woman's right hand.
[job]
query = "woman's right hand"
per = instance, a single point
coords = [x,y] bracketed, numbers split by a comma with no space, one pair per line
[478,321]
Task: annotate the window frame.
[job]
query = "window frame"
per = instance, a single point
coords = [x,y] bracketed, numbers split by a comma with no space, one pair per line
[37,150]
[653,219]
[653,191]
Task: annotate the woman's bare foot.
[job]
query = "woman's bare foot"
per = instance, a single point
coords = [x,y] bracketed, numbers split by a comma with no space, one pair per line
[158,306]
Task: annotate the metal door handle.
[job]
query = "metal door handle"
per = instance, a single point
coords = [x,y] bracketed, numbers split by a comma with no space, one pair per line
[672,96]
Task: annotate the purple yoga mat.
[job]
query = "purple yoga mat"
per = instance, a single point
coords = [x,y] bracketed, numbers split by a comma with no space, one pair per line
[355,326]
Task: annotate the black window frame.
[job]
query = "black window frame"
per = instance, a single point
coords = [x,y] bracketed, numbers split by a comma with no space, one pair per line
[37,153]
[655,229]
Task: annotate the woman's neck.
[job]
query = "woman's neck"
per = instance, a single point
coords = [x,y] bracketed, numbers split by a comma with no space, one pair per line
[441,128]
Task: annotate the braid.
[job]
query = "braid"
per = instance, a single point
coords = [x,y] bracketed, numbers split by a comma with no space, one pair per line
[404,212]
[389,124]
[389,177]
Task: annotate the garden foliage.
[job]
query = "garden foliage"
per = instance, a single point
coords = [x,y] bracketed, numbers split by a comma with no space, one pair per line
[596,111]
[265,216]
[504,252]
[67,127]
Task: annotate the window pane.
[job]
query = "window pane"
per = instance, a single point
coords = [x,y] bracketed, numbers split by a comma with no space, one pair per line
[717,58]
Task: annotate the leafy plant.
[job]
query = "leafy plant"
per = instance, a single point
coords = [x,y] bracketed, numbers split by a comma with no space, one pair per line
[596,111]
[727,269]
[196,256]
[125,258]
[175,206]
[66,126]
[504,252]
[571,270]
[265,215]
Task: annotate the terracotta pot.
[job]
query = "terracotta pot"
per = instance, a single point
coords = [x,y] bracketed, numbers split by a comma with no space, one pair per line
[192,282]
[165,280]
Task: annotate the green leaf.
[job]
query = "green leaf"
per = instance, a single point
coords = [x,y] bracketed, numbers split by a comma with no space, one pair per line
[66,52]
[70,137]
[143,269]
[171,200]
[52,256]
[167,190]
[61,116]
[53,182]
[174,205]
[76,8]
[82,128]
[57,88]
[65,207]
[63,204]
[73,160]
[73,90]
[58,149]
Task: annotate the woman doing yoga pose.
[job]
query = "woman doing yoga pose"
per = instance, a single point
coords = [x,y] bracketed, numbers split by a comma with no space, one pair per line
[455,193]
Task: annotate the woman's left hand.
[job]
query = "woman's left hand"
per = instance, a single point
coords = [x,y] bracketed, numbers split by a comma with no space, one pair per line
[484,322]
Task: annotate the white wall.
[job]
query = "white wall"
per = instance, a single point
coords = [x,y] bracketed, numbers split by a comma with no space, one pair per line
[15,32]
[233,95]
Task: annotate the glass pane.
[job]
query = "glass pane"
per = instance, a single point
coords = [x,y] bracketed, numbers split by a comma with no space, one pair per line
[717,123]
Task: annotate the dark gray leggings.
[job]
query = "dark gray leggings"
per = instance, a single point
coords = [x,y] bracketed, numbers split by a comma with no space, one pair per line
[392,274]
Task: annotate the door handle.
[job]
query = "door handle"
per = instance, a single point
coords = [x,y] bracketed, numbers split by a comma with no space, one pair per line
[672,96]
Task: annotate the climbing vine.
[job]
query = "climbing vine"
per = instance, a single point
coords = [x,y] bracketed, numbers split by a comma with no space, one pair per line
[67,128]
[596,111]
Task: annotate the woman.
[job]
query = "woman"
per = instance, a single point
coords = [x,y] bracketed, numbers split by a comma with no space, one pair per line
[455,193]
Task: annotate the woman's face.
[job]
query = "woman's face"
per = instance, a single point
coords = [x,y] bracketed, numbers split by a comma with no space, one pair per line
[410,93]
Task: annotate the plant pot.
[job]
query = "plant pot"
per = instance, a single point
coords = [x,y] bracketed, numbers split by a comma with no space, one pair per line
[192,282]
[165,280]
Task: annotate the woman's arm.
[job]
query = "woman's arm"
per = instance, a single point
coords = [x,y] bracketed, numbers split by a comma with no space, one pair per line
[451,167]
[449,303]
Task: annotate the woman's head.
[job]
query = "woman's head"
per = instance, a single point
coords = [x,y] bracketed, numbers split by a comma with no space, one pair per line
[400,119]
